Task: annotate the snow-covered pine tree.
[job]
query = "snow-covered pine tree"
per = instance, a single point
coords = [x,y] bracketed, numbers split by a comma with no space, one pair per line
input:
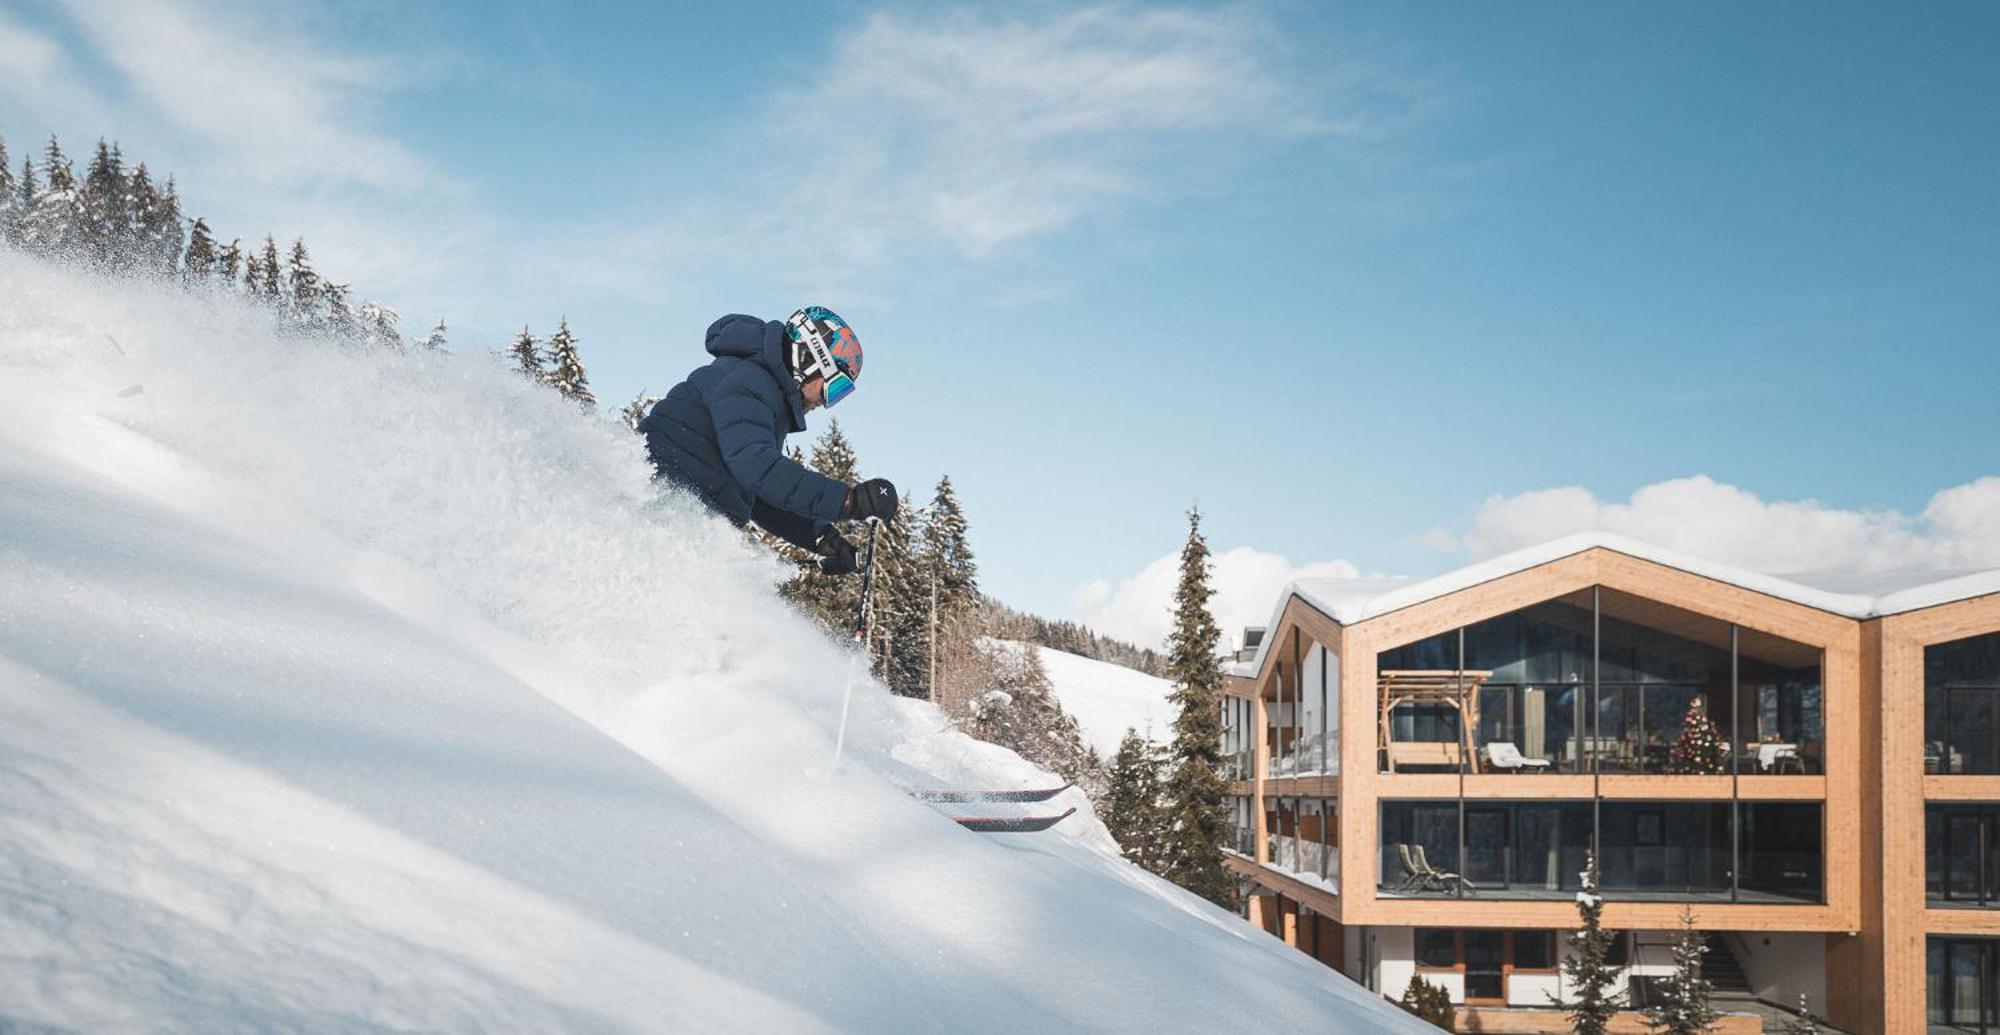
[527,353]
[1020,712]
[230,265]
[20,221]
[566,372]
[1587,970]
[305,288]
[434,341]
[106,233]
[1699,748]
[162,231]
[381,327]
[1133,810]
[7,189]
[901,605]
[269,283]
[56,220]
[833,599]
[200,262]
[1197,819]
[142,219]
[949,551]
[339,318]
[1684,1007]
[1803,1023]
[635,411]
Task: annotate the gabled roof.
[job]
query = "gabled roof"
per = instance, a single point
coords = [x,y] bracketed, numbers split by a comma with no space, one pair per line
[1859,595]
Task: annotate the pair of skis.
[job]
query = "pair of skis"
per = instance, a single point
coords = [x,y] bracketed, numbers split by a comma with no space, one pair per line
[1000,824]
[983,824]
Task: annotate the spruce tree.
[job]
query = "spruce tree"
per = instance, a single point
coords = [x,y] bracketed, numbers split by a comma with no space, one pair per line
[434,341]
[1804,1023]
[56,218]
[901,605]
[21,214]
[200,262]
[7,189]
[1699,748]
[141,220]
[1133,810]
[1594,996]
[1197,796]
[635,411]
[163,239]
[833,599]
[306,290]
[527,355]
[230,265]
[106,232]
[1019,711]
[1684,1007]
[566,367]
[269,278]
[339,318]
[381,326]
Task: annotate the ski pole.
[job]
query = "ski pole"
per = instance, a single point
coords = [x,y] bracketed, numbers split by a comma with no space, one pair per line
[860,639]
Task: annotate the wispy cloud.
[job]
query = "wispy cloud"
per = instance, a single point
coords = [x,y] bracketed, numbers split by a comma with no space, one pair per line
[1139,609]
[281,107]
[1958,528]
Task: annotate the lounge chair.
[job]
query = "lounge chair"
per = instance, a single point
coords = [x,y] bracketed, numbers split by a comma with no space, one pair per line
[1504,755]
[1431,876]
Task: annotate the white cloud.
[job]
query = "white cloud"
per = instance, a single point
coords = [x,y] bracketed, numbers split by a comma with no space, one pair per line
[278,106]
[1247,581]
[1959,528]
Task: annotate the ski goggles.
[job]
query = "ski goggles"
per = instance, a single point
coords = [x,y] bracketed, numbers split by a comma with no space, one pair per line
[833,370]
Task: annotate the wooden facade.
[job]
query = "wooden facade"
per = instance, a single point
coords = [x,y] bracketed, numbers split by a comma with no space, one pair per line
[1872,791]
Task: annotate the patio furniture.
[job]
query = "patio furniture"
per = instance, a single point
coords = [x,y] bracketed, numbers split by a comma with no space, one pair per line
[1433,877]
[1773,756]
[1505,755]
[1452,688]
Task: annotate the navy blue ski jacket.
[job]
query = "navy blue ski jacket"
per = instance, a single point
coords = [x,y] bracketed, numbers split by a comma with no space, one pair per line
[721,434]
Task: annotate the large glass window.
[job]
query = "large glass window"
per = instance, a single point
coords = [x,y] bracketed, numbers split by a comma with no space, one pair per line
[1606,681]
[1319,838]
[1419,848]
[1962,984]
[1962,706]
[1962,854]
[1665,849]
[1780,853]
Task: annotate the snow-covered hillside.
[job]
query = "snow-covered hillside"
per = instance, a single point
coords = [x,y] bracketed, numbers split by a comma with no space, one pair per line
[343,691]
[1108,699]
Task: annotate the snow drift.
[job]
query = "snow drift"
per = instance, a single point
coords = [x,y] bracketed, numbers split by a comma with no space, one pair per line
[345,691]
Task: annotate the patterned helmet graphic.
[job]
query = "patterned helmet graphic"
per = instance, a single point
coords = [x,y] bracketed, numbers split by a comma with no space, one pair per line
[822,343]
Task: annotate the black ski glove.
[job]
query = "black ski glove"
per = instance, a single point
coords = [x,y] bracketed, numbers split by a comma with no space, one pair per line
[874,498]
[836,553]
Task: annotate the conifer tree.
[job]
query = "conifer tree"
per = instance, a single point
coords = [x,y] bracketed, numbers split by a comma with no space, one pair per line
[1020,712]
[7,190]
[381,327]
[230,265]
[1804,1023]
[141,218]
[1699,748]
[948,550]
[269,277]
[901,605]
[1133,810]
[106,233]
[200,262]
[1684,1007]
[527,354]
[56,220]
[1198,824]
[307,298]
[833,599]
[339,318]
[163,239]
[434,341]
[566,367]
[20,220]
[1594,996]
[635,411]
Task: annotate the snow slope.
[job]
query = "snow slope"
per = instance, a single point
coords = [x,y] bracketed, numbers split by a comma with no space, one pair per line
[1108,699]
[348,692]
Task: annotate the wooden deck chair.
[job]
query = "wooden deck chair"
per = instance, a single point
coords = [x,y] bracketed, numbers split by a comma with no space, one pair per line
[1441,879]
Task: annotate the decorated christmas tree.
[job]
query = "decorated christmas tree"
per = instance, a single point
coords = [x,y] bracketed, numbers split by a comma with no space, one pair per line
[1699,748]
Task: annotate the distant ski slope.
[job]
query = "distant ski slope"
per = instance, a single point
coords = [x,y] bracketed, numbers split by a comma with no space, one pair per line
[342,691]
[1107,699]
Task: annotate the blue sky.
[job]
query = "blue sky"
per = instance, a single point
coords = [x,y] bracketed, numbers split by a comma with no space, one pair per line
[1385,287]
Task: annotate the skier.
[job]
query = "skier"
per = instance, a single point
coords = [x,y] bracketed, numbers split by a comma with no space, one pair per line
[720,434]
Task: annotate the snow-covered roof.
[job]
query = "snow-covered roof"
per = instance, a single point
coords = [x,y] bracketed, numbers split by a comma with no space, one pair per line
[1859,595]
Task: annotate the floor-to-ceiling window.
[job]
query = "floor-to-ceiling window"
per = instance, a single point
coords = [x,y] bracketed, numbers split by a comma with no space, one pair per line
[1962,854]
[1962,706]
[1962,984]
[1605,681]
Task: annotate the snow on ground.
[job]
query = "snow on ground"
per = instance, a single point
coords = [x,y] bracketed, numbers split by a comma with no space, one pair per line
[346,692]
[1108,699]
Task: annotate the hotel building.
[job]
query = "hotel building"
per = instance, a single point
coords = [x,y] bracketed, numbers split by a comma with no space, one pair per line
[1421,767]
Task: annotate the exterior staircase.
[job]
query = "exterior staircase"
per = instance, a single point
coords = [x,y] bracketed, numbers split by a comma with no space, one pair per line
[1723,971]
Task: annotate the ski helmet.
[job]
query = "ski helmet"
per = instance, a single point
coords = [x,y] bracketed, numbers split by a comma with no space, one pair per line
[822,344]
